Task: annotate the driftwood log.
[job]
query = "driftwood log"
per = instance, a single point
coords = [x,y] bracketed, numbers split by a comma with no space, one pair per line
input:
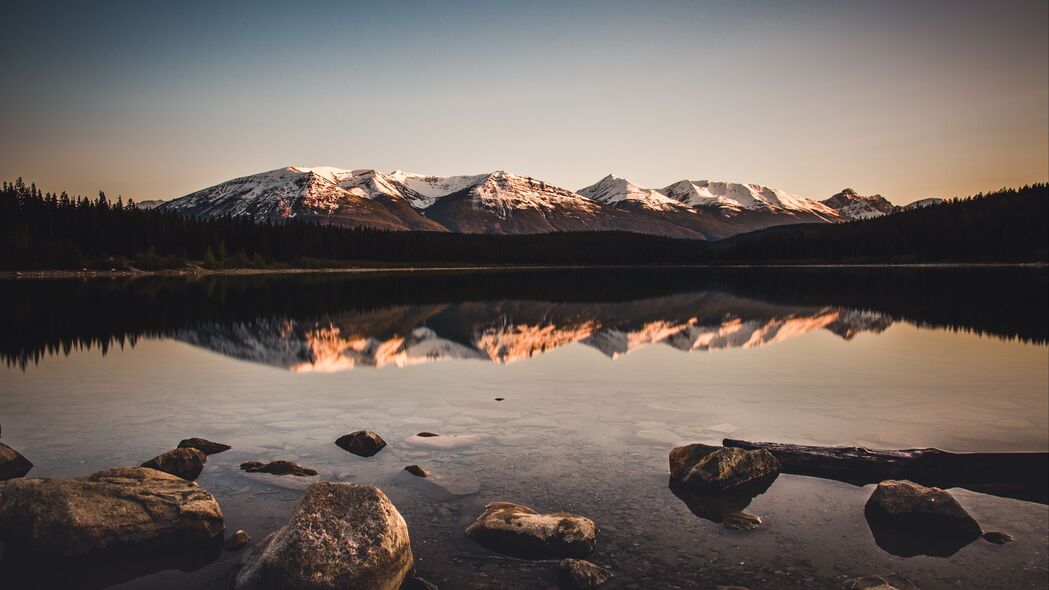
[1023,476]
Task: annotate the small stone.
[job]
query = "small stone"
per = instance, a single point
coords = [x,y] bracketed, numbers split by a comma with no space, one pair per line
[519,531]
[363,443]
[998,538]
[279,467]
[184,463]
[427,434]
[579,574]
[237,540]
[499,399]
[880,583]
[12,463]
[417,471]
[203,445]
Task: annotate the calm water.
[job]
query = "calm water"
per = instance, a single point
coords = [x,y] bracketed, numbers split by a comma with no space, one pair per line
[602,372]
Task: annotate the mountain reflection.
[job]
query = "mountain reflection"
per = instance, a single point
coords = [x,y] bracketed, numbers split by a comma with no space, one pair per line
[335,322]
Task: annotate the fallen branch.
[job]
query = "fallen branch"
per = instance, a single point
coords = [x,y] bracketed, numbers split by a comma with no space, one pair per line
[1023,476]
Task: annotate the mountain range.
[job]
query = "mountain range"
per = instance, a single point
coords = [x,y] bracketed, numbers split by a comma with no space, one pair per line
[504,203]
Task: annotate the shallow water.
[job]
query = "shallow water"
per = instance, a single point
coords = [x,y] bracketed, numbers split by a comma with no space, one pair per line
[602,374]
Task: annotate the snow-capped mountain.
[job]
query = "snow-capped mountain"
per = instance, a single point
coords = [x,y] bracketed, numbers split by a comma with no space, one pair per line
[853,205]
[922,203]
[505,203]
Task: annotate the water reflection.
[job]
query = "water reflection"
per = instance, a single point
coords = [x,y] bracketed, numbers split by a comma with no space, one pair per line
[326,323]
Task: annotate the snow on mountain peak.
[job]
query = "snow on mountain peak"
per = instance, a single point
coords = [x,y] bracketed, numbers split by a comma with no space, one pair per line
[613,189]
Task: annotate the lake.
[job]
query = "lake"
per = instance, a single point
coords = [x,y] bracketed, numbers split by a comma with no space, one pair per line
[562,390]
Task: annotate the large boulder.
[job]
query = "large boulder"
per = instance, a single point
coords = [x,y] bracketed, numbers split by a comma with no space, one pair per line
[132,509]
[519,531]
[203,445]
[706,468]
[363,443]
[12,463]
[341,535]
[909,519]
[185,463]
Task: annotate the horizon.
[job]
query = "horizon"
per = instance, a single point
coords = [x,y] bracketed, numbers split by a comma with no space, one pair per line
[807,97]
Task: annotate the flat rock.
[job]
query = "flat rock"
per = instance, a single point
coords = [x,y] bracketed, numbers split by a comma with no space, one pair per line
[185,463]
[417,471]
[519,531]
[998,538]
[708,468]
[279,467]
[909,519]
[134,509]
[12,463]
[427,434]
[579,574]
[203,445]
[341,535]
[892,582]
[363,443]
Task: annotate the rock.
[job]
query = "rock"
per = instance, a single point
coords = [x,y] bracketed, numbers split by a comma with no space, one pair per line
[519,531]
[417,471]
[880,583]
[363,443]
[279,467]
[132,509]
[417,583]
[185,463]
[908,519]
[237,540]
[578,574]
[427,434]
[708,469]
[203,445]
[499,399]
[341,535]
[12,463]
[742,521]
[998,538]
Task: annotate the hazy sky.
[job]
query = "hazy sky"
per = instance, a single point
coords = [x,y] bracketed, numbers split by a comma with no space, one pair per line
[909,99]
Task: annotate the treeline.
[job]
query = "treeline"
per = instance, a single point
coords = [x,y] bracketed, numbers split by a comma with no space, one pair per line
[56,231]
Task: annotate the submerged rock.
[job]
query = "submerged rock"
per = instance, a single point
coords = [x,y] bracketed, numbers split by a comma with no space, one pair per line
[185,463]
[519,531]
[578,574]
[203,445]
[998,538]
[341,535]
[134,509]
[706,468]
[880,583]
[279,467]
[12,463]
[363,443]
[417,471]
[908,519]
[237,541]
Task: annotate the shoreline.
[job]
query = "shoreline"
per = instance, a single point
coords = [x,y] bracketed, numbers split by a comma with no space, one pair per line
[199,271]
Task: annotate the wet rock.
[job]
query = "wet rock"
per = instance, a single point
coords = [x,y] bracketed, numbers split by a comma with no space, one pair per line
[237,541]
[578,574]
[998,538]
[185,463]
[341,535]
[363,443]
[417,471]
[203,445]
[908,519]
[880,583]
[519,531]
[427,434]
[742,521]
[706,468]
[499,399]
[279,467]
[12,463]
[133,509]
[417,583]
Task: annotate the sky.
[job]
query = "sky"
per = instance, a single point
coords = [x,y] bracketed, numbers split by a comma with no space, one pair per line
[156,100]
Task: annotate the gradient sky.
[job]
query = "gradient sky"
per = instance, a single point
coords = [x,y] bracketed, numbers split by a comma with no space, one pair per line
[907,99]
